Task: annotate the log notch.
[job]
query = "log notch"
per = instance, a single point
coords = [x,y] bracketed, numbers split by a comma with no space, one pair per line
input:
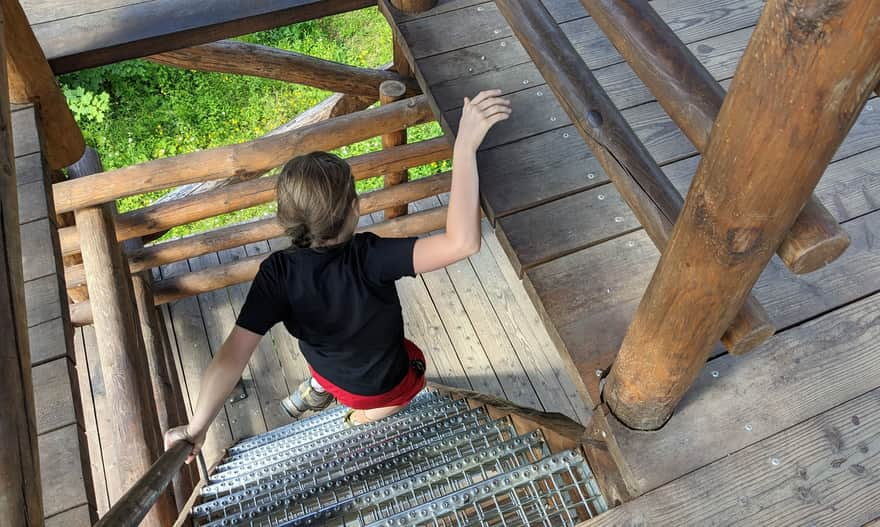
[170,409]
[130,437]
[731,225]
[243,58]
[693,98]
[31,80]
[413,6]
[626,161]
[20,498]
[389,92]
[253,156]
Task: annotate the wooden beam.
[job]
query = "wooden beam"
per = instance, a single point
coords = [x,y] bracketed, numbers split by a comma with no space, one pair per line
[693,98]
[244,58]
[253,156]
[730,226]
[215,240]
[31,80]
[130,439]
[413,6]
[163,216]
[20,496]
[641,183]
[137,29]
[189,284]
[389,92]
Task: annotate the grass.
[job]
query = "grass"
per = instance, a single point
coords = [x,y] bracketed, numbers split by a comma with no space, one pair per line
[137,111]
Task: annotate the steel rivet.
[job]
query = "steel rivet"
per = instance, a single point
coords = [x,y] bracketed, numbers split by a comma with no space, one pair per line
[774,461]
[618,219]
[748,428]
[715,374]
[601,197]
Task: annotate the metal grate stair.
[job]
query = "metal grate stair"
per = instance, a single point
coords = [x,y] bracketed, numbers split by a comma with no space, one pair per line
[439,462]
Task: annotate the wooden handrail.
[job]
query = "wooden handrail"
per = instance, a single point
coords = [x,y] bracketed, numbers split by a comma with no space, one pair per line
[693,98]
[244,58]
[260,230]
[243,270]
[136,503]
[626,161]
[166,215]
[253,156]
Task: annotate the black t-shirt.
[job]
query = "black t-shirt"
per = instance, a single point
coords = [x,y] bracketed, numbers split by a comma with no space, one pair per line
[342,305]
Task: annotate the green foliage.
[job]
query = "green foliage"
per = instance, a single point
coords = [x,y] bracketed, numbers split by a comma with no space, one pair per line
[136,111]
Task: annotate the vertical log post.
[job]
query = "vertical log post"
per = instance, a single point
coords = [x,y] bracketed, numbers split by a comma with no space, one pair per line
[642,184]
[413,6]
[772,141]
[166,387]
[130,437]
[693,98]
[20,499]
[391,91]
[31,80]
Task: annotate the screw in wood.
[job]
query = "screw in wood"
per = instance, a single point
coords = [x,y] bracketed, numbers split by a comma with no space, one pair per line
[482,57]
[539,93]
[504,44]
[591,176]
[553,118]
[601,197]
[748,428]
[598,373]
[774,461]
[565,135]
[630,243]
[715,374]
[618,219]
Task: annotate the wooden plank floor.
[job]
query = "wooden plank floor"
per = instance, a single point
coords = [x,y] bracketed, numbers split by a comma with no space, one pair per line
[586,262]
[474,320]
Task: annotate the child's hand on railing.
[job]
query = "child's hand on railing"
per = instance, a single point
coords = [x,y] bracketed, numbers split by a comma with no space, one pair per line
[479,115]
[182,433]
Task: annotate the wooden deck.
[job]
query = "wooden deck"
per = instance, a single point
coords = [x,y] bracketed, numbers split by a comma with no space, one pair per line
[82,34]
[474,320]
[586,262]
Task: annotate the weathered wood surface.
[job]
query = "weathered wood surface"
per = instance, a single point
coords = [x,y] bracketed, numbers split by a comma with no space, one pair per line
[690,95]
[244,58]
[413,6]
[253,156]
[825,474]
[132,438]
[31,81]
[731,225]
[20,496]
[78,35]
[389,92]
[644,187]
[804,371]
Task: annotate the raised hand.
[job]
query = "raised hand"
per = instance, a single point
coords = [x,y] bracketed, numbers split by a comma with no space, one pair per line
[479,115]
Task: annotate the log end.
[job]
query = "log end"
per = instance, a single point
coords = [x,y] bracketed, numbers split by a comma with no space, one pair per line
[819,254]
[392,90]
[749,329]
[815,239]
[750,340]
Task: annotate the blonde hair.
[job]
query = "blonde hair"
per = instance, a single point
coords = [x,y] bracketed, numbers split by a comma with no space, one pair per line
[315,198]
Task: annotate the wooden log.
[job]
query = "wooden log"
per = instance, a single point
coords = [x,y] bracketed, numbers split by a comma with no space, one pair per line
[730,226]
[693,98]
[159,254]
[244,270]
[644,187]
[244,58]
[413,6]
[130,436]
[253,156]
[149,490]
[20,495]
[163,216]
[389,92]
[166,388]
[31,80]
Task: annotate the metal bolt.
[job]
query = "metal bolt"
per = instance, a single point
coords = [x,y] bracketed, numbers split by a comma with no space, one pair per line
[601,197]
[715,374]
[774,461]
[748,428]
[618,219]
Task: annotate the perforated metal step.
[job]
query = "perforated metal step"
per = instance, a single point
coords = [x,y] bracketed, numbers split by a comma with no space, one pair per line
[438,462]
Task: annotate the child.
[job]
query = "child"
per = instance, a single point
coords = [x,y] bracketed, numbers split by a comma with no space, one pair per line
[335,291]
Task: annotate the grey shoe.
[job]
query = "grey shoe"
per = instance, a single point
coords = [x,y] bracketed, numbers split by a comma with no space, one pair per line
[306,399]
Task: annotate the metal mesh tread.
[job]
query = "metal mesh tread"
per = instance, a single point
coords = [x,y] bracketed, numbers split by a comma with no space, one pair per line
[437,463]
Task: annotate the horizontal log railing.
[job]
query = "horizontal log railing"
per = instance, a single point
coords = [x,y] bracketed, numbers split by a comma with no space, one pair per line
[264,229]
[243,58]
[693,98]
[244,270]
[166,215]
[626,161]
[258,155]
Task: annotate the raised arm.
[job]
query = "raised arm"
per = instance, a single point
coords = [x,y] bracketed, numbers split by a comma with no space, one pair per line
[462,236]
[217,383]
